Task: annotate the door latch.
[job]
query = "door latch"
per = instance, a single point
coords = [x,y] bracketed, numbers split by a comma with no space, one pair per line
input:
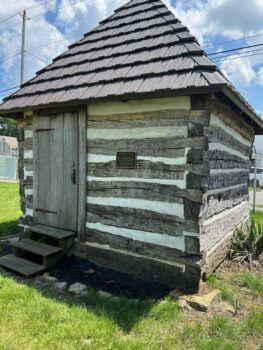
[73,173]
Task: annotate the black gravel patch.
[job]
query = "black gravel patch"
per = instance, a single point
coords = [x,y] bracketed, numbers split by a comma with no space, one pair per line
[74,269]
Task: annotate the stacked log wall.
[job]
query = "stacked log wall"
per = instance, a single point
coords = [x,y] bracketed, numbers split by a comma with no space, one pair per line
[230,139]
[152,210]
[25,168]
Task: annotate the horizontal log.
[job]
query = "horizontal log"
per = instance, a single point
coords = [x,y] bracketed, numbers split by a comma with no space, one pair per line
[147,169]
[127,244]
[217,204]
[218,135]
[148,119]
[216,155]
[227,180]
[25,162]
[138,219]
[165,147]
[144,169]
[139,266]
[155,192]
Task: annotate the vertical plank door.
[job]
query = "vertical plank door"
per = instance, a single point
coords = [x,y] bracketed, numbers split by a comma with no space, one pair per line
[56,170]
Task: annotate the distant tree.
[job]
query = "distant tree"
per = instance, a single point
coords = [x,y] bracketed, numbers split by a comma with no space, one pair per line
[8,127]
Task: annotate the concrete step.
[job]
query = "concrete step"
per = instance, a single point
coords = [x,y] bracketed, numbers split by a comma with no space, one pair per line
[21,266]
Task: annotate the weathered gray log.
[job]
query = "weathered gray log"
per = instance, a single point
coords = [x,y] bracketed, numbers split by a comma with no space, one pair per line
[142,248]
[227,180]
[147,170]
[162,147]
[218,135]
[140,190]
[138,219]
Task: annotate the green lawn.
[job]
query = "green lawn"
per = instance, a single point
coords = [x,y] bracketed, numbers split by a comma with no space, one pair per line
[9,208]
[258,216]
[36,319]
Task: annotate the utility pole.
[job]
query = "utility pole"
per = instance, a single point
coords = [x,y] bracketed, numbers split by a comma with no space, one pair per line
[23,47]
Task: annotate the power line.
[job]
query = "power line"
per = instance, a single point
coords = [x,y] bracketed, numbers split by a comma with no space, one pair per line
[234,54]
[60,7]
[237,49]
[37,58]
[8,58]
[5,30]
[28,8]
[234,40]
[239,57]
[12,88]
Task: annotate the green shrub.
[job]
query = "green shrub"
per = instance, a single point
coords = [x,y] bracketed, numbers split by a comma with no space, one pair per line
[247,244]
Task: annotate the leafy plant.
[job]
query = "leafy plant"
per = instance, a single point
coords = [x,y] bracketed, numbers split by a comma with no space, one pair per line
[247,244]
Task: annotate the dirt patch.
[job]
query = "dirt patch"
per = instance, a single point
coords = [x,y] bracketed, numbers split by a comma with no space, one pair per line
[74,269]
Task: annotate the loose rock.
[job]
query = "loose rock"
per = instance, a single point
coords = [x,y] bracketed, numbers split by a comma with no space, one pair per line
[225,307]
[201,302]
[104,294]
[184,305]
[60,285]
[77,288]
[50,279]
[175,294]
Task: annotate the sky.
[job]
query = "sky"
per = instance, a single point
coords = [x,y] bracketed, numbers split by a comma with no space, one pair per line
[54,24]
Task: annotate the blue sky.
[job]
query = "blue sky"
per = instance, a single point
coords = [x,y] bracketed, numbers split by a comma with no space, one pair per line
[212,21]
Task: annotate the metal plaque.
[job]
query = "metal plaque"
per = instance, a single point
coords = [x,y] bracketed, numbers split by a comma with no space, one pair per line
[126,160]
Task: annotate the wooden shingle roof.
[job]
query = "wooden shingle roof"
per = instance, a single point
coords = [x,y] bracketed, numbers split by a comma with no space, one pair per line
[141,49]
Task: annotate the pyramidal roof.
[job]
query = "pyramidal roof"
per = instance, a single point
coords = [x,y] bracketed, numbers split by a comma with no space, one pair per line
[141,49]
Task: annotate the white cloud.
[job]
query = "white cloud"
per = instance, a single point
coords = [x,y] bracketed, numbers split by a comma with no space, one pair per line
[260,76]
[231,19]
[239,71]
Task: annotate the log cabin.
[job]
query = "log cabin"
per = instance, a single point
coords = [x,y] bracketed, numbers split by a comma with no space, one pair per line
[134,153]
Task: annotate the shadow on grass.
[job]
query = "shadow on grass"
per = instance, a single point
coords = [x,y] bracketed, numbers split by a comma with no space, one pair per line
[121,310]
[133,299]
[9,228]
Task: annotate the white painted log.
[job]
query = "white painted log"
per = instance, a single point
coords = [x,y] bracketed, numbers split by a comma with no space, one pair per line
[27,173]
[28,134]
[28,192]
[137,106]
[28,154]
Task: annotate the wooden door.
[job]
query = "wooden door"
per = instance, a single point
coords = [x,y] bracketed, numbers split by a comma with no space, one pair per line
[56,170]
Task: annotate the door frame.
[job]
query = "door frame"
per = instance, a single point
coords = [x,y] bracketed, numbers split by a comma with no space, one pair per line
[82,162]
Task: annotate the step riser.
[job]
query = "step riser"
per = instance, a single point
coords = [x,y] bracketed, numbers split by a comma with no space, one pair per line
[64,244]
[38,249]
[48,261]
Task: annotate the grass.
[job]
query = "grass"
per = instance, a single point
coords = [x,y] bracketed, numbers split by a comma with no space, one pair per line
[258,217]
[9,208]
[34,318]
[251,281]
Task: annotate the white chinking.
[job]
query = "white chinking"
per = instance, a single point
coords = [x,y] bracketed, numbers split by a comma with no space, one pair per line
[141,236]
[175,209]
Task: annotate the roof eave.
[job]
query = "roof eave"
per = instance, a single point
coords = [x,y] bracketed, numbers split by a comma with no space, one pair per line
[238,101]
[16,112]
